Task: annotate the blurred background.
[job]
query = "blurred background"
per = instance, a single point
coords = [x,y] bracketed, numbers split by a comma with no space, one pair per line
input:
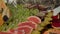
[50,3]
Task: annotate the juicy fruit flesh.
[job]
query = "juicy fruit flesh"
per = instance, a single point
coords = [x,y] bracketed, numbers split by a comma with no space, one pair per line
[4,33]
[56,25]
[34,19]
[28,23]
[24,28]
[27,29]
[20,32]
[12,31]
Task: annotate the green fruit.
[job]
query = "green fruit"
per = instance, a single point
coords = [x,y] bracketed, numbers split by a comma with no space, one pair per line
[35,32]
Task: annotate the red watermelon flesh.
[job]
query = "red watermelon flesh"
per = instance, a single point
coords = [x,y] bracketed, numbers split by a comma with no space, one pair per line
[4,33]
[34,19]
[26,29]
[12,31]
[28,23]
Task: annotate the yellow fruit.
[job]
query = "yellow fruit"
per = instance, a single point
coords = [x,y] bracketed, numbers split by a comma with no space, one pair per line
[52,31]
[1,20]
[35,32]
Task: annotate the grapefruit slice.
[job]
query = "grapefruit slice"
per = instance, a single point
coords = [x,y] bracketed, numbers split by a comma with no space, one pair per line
[28,23]
[26,29]
[16,31]
[4,33]
[35,19]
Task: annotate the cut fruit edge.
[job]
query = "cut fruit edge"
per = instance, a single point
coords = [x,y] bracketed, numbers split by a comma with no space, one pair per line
[34,17]
[27,25]
[14,31]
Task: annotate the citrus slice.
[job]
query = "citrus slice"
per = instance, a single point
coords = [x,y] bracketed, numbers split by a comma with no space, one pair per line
[28,23]
[35,19]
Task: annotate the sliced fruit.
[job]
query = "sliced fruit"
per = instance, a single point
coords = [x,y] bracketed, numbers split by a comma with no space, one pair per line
[56,25]
[16,31]
[52,31]
[11,30]
[26,29]
[21,32]
[28,23]
[34,19]
[4,33]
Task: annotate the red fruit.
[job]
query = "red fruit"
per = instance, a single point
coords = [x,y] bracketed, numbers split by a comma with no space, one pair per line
[4,33]
[16,31]
[55,22]
[11,30]
[21,32]
[28,23]
[55,17]
[26,29]
[34,19]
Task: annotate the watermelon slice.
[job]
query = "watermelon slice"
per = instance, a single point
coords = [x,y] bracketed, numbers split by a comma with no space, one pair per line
[26,29]
[12,31]
[4,33]
[28,23]
[34,19]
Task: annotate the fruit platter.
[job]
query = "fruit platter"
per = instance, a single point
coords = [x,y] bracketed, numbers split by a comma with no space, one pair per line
[29,17]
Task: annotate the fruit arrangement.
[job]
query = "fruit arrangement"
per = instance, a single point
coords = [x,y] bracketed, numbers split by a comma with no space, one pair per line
[30,26]
[25,27]
[25,21]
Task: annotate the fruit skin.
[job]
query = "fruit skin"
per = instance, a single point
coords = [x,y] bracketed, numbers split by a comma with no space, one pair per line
[28,23]
[35,19]
[26,29]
